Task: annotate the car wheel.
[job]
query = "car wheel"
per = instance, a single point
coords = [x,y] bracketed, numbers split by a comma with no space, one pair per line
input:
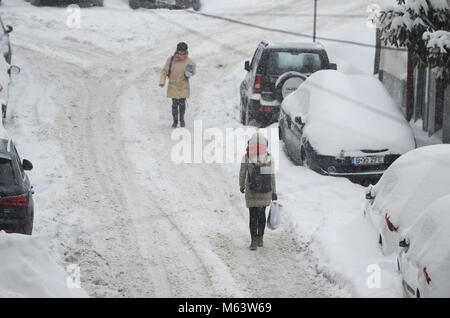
[4,107]
[248,118]
[242,113]
[398,265]
[197,5]
[304,161]
[418,293]
[280,132]
[134,4]
[28,227]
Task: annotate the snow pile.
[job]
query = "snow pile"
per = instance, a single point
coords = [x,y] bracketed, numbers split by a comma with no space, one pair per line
[413,182]
[27,270]
[430,245]
[350,112]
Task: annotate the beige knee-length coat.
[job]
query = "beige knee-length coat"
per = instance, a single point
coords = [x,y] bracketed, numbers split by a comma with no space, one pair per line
[178,84]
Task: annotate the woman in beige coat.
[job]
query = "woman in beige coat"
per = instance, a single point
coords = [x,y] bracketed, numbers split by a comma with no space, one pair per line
[257,160]
[178,69]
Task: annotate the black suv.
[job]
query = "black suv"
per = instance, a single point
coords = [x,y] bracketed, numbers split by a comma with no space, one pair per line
[260,90]
[4,40]
[16,193]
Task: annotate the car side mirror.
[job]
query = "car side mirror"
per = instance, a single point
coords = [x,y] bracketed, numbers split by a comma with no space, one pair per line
[403,243]
[332,66]
[8,29]
[27,165]
[369,193]
[298,120]
[247,66]
[13,69]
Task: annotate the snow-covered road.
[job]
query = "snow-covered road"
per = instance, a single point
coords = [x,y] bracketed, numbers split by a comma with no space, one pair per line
[87,110]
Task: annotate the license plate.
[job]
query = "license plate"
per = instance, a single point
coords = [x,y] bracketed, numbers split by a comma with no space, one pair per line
[372,160]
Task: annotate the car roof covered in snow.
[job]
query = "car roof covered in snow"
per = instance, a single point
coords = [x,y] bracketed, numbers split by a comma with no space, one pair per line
[429,246]
[412,183]
[295,45]
[350,113]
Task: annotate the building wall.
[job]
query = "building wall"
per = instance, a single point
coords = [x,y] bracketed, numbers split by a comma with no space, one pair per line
[392,73]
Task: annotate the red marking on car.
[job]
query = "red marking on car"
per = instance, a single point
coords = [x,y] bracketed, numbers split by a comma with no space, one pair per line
[257,86]
[391,226]
[427,277]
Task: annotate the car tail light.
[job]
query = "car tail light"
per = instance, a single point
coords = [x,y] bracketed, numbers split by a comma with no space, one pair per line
[391,226]
[427,277]
[265,109]
[20,200]
[257,86]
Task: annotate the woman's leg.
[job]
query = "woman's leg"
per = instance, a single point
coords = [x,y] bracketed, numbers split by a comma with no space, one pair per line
[175,110]
[182,103]
[261,215]
[253,222]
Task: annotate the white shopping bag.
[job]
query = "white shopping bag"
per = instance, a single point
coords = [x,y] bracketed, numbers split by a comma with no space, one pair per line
[273,221]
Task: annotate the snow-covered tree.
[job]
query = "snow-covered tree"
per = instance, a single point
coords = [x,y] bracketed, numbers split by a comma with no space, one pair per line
[423,26]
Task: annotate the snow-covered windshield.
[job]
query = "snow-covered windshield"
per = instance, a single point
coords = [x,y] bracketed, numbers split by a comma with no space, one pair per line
[282,62]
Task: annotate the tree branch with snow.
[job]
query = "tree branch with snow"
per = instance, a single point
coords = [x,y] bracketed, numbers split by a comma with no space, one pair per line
[420,25]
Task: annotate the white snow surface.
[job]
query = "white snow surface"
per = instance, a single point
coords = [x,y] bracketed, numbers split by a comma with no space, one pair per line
[28,270]
[350,113]
[87,111]
[432,228]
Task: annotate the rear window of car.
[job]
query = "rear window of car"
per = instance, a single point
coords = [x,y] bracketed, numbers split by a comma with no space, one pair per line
[282,62]
[6,172]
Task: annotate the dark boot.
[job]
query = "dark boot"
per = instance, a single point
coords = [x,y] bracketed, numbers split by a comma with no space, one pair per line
[254,244]
[260,241]
[175,123]
[182,124]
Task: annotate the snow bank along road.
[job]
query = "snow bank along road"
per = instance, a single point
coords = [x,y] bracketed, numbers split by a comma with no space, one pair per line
[87,110]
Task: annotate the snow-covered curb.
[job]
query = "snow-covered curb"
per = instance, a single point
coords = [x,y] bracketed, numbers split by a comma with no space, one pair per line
[28,270]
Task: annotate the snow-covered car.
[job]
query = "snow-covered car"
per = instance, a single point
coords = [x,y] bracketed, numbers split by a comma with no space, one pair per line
[424,258]
[81,3]
[5,79]
[16,192]
[275,71]
[166,4]
[5,45]
[405,190]
[344,125]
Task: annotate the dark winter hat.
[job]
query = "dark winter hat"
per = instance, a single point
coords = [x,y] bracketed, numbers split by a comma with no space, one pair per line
[182,46]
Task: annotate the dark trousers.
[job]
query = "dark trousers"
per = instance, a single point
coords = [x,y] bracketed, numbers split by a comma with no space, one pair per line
[257,221]
[178,105]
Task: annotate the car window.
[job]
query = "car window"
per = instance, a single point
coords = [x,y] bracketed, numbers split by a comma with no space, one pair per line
[6,172]
[19,163]
[254,57]
[303,62]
